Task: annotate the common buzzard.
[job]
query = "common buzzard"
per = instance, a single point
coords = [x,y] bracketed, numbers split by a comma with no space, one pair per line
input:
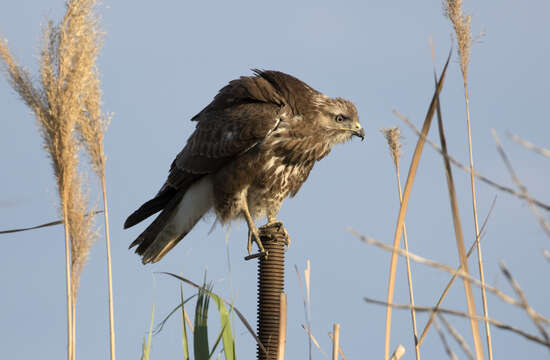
[254,145]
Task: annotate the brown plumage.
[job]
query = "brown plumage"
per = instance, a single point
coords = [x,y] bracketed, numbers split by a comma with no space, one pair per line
[254,145]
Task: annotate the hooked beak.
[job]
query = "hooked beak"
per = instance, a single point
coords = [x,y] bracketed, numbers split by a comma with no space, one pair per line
[359,131]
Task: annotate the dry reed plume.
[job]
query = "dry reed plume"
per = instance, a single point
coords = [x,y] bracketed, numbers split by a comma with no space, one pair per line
[461,23]
[66,102]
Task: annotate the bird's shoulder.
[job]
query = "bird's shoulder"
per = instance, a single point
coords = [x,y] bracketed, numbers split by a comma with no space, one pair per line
[266,88]
[242,93]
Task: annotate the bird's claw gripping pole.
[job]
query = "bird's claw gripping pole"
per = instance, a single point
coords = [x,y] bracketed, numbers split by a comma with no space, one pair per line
[273,231]
[261,254]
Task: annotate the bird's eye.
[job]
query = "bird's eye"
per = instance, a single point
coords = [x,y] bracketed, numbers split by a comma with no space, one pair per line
[339,118]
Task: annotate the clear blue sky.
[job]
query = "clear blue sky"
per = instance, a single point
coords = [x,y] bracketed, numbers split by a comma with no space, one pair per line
[162,62]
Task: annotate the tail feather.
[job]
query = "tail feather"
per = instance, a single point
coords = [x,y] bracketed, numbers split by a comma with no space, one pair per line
[150,207]
[150,233]
[179,216]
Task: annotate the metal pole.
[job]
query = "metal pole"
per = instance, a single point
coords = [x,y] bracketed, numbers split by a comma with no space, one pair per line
[270,286]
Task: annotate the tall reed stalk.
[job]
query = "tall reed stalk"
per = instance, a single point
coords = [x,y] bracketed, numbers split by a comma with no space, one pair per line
[66,102]
[392,137]
[92,130]
[461,24]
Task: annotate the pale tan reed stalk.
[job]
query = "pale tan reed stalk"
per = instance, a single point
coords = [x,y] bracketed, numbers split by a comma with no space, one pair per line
[340,351]
[282,328]
[392,137]
[335,341]
[109,271]
[461,24]
[70,332]
[456,219]
[92,127]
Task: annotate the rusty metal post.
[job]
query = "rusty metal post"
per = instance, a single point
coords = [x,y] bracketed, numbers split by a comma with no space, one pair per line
[270,286]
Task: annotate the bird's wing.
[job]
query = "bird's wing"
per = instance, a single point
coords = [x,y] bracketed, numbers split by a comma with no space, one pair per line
[222,135]
[241,116]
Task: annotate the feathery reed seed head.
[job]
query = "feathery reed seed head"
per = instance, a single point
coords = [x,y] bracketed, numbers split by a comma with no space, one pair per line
[461,23]
[66,102]
[392,137]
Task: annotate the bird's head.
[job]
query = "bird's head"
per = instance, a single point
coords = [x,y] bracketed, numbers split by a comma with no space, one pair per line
[338,118]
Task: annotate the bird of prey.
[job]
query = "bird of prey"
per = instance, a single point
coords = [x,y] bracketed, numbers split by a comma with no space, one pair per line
[253,146]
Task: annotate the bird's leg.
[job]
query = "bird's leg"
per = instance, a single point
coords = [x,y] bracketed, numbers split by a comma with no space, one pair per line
[253,233]
[272,222]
